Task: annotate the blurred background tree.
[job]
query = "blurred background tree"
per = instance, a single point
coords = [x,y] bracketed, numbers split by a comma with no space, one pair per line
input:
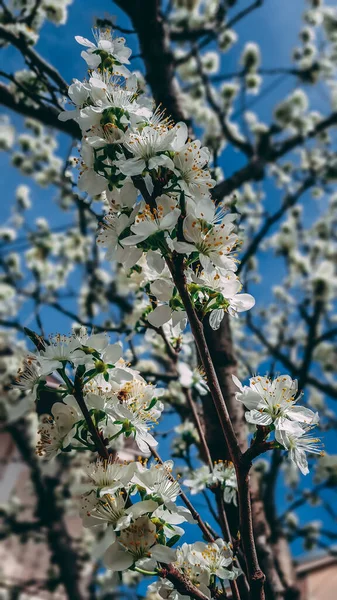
[256,81]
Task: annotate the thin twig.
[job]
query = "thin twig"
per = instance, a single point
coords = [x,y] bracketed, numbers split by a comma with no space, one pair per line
[97,439]
[204,446]
[204,528]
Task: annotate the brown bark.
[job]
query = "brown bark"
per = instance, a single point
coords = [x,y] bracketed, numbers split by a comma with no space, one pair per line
[50,516]
[274,587]
[223,354]
[222,351]
[154,43]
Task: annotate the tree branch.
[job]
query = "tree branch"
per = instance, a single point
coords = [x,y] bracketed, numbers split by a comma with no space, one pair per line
[158,58]
[256,577]
[289,201]
[293,369]
[254,170]
[34,59]
[48,115]
[96,437]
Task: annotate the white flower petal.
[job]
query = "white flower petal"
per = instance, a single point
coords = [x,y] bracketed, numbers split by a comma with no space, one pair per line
[116,559]
[113,353]
[145,506]
[237,382]
[160,315]
[104,543]
[84,42]
[257,418]
[163,554]
[215,318]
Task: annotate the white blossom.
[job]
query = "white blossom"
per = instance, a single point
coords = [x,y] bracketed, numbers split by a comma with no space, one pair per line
[273,402]
[106,46]
[136,542]
[56,432]
[298,441]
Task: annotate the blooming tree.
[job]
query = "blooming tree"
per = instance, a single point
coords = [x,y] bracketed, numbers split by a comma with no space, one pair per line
[169,249]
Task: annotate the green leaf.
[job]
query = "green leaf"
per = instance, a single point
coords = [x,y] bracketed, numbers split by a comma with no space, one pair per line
[173,540]
[161,537]
[152,404]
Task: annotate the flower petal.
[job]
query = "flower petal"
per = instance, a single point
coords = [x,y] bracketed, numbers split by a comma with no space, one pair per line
[163,554]
[116,559]
[113,353]
[257,418]
[141,508]
[160,315]
[104,543]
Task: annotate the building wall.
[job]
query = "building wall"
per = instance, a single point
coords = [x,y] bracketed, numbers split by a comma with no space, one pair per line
[27,564]
[319,582]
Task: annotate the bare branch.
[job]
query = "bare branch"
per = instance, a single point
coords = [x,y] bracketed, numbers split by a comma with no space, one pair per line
[34,59]
[158,58]
[254,170]
[289,201]
[48,115]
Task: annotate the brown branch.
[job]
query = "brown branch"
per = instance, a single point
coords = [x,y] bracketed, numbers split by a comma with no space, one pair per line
[34,59]
[203,443]
[109,23]
[256,450]
[312,496]
[243,13]
[294,371]
[218,492]
[48,115]
[181,583]
[313,323]
[29,20]
[244,146]
[254,170]
[289,201]
[158,58]
[206,532]
[327,335]
[190,35]
[210,32]
[172,354]
[223,355]
[78,319]
[256,577]
[96,437]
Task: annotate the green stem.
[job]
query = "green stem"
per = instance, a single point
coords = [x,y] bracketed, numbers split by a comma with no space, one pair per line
[143,572]
[67,381]
[90,377]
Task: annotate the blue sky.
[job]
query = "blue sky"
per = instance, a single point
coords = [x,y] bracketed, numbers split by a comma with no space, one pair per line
[275,27]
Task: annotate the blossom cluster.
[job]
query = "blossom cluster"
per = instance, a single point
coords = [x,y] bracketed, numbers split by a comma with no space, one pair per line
[137,507]
[26,19]
[223,474]
[272,404]
[158,185]
[118,399]
[203,563]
